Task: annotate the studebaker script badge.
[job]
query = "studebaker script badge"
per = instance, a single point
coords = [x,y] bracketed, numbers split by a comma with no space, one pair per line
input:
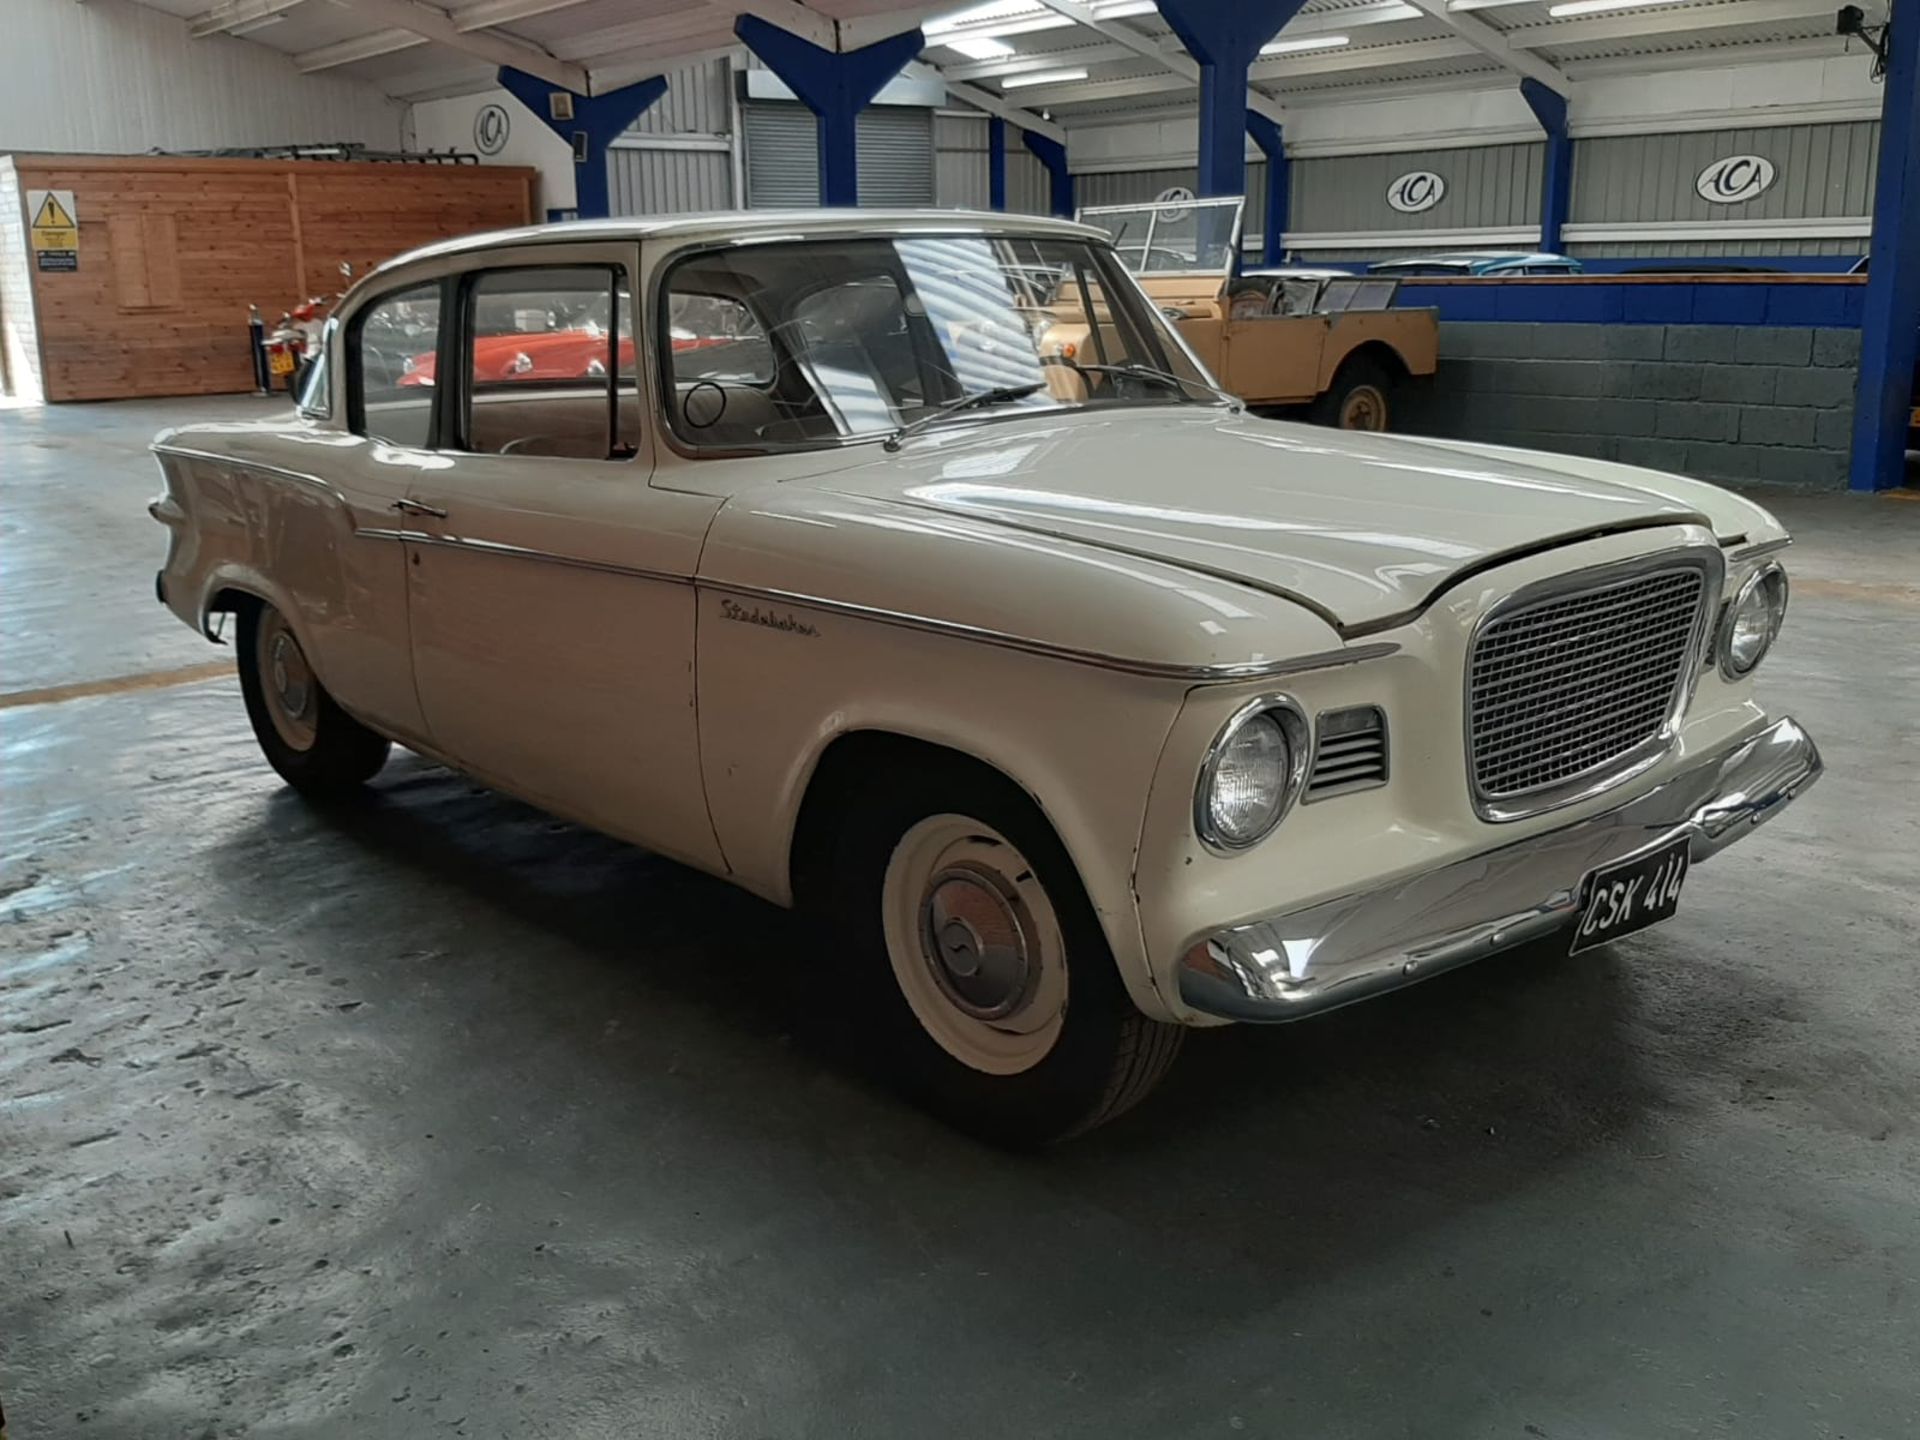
[754,615]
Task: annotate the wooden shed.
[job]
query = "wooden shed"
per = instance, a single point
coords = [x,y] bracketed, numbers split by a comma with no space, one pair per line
[144,290]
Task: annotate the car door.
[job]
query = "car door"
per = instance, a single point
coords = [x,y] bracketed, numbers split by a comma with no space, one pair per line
[550,586]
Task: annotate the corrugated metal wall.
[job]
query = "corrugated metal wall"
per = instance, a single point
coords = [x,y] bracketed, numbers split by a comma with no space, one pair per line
[651,170]
[1487,186]
[669,182]
[1132,187]
[960,177]
[112,76]
[696,103]
[1029,191]
[1819,171]
[1710,249]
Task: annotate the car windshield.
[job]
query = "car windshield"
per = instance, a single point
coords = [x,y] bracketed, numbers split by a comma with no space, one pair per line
[803,343]
[1174,235]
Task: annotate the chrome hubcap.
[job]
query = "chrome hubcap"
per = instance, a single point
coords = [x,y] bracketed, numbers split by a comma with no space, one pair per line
[292,681]
[976,942]
[287,681]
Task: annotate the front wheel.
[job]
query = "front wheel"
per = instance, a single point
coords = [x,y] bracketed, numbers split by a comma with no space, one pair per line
[1358,399]
[316,746]
[991,983]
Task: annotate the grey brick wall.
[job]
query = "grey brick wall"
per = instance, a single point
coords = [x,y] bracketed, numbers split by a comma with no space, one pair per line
[1765,404]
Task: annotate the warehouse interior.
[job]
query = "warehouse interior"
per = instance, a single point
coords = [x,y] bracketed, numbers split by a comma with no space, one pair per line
[439,1115]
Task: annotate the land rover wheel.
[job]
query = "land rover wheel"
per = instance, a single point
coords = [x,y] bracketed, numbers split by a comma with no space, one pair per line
[316,746]
[1358,399]
[992,985]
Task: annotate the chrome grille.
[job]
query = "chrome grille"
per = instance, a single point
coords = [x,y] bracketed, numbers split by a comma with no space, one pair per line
[1349,752]
[1564,685]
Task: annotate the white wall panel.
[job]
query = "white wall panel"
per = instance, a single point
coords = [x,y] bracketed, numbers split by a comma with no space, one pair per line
[448,125]
[111,76]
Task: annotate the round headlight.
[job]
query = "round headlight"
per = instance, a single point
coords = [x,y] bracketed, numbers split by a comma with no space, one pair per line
[1752,622]
[1250,776]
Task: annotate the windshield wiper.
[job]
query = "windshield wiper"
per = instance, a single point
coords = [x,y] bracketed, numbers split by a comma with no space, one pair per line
[999,395]
[1152,372]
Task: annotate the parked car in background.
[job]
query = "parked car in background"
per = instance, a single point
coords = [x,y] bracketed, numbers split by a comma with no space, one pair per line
[1327,342]
[1479,263]
[955,605]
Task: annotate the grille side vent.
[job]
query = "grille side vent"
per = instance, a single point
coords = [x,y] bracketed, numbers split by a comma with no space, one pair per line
[1349,753]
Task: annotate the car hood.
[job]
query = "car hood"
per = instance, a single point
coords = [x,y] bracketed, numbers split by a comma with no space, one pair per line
[1363,529]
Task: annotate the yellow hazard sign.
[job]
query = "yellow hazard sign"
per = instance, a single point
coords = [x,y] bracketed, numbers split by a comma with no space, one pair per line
[53,229]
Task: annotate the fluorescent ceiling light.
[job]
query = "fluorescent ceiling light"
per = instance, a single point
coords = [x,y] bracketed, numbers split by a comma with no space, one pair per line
[1311,42]
[981,19]
[259,23]
[979,47]
[1042,77]
[1121,9]
[1595,7]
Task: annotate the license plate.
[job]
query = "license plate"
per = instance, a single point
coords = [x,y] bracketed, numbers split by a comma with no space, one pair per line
[280,362]
[1632,895]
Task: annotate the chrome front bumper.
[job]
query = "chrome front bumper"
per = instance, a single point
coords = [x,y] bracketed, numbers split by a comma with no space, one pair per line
[1287,966]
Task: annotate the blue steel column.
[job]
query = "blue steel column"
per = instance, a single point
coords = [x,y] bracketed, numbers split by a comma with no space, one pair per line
[1225,36]
[1267,135]
[836,85]
[601,119]
[1892,317]
[1053,155]
[996,163]
[1556,188]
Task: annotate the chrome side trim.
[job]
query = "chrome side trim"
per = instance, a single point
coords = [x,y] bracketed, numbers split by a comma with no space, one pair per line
[1158,669]
[1648,753]
[1299,963]
[1205,674]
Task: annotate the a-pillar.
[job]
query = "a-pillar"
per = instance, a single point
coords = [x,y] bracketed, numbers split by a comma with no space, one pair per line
[1884,401]
[1272,142]
[996,163]
[1225,37]
[589,123]
[1556,189]
[836,85]
[1052,154]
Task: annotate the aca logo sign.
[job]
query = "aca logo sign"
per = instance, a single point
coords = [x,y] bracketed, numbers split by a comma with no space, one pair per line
[490,129]
[1174,202]
[1734,179]
[1415,191]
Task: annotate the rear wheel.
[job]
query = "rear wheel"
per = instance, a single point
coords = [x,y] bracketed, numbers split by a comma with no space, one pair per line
[316,746]
[1358,399]
[991,984]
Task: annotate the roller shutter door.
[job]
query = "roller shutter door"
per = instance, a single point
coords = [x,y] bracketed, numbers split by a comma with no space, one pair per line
[783,156]
[896,155]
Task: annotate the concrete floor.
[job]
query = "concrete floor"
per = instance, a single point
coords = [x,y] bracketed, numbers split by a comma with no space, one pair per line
[446,1118]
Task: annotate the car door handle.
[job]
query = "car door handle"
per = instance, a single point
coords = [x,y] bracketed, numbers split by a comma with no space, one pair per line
[414,507]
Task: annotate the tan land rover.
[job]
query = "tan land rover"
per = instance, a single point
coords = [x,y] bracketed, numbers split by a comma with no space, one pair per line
[1284,339]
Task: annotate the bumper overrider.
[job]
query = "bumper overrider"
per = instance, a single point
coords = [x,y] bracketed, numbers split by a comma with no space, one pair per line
[1301,962]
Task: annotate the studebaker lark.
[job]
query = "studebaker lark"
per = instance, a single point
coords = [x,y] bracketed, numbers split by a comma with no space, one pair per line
[1081,706]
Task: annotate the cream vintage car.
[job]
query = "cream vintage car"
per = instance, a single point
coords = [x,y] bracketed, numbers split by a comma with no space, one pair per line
[1084,707]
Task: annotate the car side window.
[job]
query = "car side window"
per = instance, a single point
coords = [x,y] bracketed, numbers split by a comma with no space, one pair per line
[393,346]
[548,356]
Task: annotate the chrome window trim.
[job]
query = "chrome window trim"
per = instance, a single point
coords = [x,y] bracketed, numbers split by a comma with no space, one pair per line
[1351,787]
[1298,730]
[1723,631]
[1598,779]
